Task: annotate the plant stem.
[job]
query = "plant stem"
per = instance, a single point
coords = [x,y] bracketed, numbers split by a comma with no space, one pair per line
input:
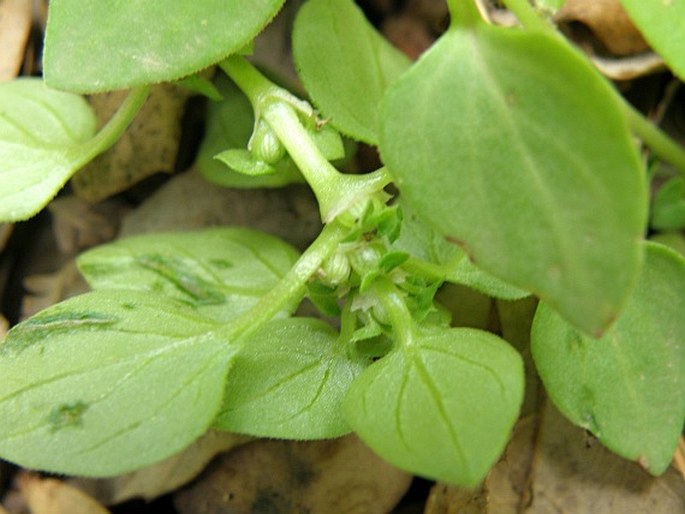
[661,145]
[115,127]
[396,308]
[291,287]
[528,17]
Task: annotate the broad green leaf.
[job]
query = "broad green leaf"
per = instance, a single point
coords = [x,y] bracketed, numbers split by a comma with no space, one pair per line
[102,46]
[441,407]
[674,240]
[345,65]
[219,271]
[627,388]
[289,381]
[512,146]
[668,209]
[229,126]
[661,25]
[422,242]
[108,382]
[40,134]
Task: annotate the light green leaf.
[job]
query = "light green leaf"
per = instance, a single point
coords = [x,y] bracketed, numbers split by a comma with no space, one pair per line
[674,240]
[108,382]
[422,242]
[442,407]
[244,162]
[550,5]
[229,126]
[661,25]
[40,134]
[627,388]
[345,65]
[219,271]
[289,381]
[102,46]
[512,146]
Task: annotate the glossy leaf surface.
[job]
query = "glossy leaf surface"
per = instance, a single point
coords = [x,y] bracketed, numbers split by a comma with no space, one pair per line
[441,408]
[289,381]
[659,24]
[627,388]
[40,133]
[102,46]
[108,382]
[345,65]
[220,271]
[512,146]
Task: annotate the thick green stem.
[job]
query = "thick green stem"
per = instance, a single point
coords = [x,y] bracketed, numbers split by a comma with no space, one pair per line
[335,192]
[661,145]
[395,307]
[290,289]
[115,127]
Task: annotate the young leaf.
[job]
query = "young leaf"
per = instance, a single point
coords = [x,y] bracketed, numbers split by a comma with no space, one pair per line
[497,129]
[219,271]
[289,381]
[345,65]
[99,46]
[423,243]
[40,133]
[229,126]
[627,388]
[108,382]
[441,407]
[657,22]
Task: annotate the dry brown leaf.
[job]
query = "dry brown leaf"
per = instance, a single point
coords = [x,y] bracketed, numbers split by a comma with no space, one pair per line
[47,289]
[447,499]
[3,511]
[323,477]
[78,225]
[290,213]
[5,233]
[148,146]
[4,326]
[608,22]
[15,25]
[168,475]
[50,496]
[574,474]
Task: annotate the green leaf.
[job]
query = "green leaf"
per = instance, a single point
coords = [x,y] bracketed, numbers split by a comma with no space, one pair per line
[40,134]
[345,65]
[108,382]
[512,146]
[219,271]
[229,126]
[451,262]
[659,23]
[244,162]
[674,240]
[627,388]
[102,46]
[668,209]
[443,406]
[289,381]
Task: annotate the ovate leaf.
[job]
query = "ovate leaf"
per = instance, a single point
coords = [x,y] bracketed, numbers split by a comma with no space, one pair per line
[219,271]
[289,381]
[627,388]
[441,407]
[345,65]
[659,23]
[512,146]
[668,209]
[108,382]
[40,134]
[102,46]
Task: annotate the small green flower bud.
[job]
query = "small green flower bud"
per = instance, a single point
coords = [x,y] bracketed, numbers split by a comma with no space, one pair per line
[335,270]
[265,145]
